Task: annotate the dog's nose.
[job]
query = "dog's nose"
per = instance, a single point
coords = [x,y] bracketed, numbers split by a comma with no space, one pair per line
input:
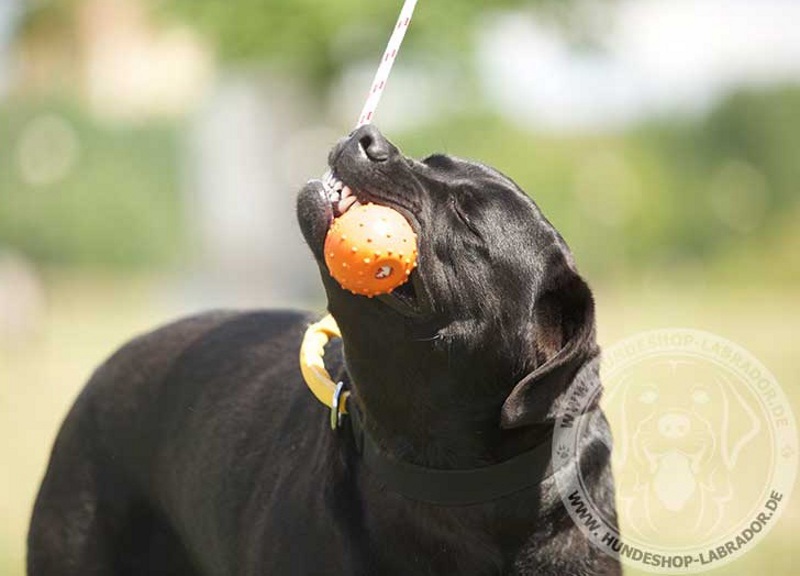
[674,425]
[372,142]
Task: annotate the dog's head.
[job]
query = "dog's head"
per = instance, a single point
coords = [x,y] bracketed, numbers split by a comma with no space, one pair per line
[495,309]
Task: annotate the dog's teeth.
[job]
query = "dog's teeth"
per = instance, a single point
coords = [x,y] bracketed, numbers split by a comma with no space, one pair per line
[334,188]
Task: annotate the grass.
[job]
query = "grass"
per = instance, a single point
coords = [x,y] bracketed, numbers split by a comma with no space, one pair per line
[756,319]
[89,315]
[87,318]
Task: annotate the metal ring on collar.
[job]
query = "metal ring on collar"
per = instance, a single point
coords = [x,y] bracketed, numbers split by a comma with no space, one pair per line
[336,415]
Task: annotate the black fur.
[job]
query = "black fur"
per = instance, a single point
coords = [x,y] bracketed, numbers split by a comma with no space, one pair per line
[197,449]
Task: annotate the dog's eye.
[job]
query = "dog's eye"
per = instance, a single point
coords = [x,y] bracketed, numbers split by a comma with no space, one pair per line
[463,216]
[440,161]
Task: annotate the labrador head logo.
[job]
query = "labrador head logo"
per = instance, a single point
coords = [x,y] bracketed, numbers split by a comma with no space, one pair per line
[683,426]
[704,455]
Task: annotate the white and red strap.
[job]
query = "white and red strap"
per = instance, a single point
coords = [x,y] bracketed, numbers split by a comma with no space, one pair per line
[387,61]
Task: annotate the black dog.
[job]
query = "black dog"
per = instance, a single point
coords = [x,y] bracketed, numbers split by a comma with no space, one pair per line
[197,449]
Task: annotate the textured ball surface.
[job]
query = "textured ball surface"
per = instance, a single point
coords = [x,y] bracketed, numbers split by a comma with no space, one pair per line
[370,250]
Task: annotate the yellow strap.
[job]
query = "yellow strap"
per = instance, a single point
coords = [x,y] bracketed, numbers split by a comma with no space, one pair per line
[312,363]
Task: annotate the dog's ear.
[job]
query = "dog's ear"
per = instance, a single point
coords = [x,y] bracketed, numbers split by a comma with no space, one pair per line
[739,423]
[563,338]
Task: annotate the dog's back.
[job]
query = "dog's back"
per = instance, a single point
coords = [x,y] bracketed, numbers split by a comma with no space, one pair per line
[162,448]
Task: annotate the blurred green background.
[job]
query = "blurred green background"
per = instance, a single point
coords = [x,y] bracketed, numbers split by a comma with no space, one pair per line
[150,151]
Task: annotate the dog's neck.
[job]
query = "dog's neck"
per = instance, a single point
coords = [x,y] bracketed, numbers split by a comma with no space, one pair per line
[430,410]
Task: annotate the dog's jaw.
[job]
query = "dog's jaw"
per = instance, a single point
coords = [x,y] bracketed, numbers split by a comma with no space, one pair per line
[353,179]
[315,214]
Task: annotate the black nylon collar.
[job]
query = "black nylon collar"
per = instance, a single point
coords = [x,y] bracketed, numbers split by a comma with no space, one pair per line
[452,487]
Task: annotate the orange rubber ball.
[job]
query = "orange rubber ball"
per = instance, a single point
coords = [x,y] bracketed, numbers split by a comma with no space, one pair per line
[370,250]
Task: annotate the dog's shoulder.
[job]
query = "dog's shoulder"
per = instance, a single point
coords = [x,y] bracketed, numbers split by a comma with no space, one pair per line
[149,356]
[143,372]
[156,352]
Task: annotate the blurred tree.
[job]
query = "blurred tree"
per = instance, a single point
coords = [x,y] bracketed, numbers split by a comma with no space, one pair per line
[76,191]
[311,40]
[316,38]
[761,128]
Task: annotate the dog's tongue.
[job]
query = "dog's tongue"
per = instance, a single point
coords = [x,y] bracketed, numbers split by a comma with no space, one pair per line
[674,481]
[346,201]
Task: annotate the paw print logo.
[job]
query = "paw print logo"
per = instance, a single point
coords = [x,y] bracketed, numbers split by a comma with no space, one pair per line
[562,451]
